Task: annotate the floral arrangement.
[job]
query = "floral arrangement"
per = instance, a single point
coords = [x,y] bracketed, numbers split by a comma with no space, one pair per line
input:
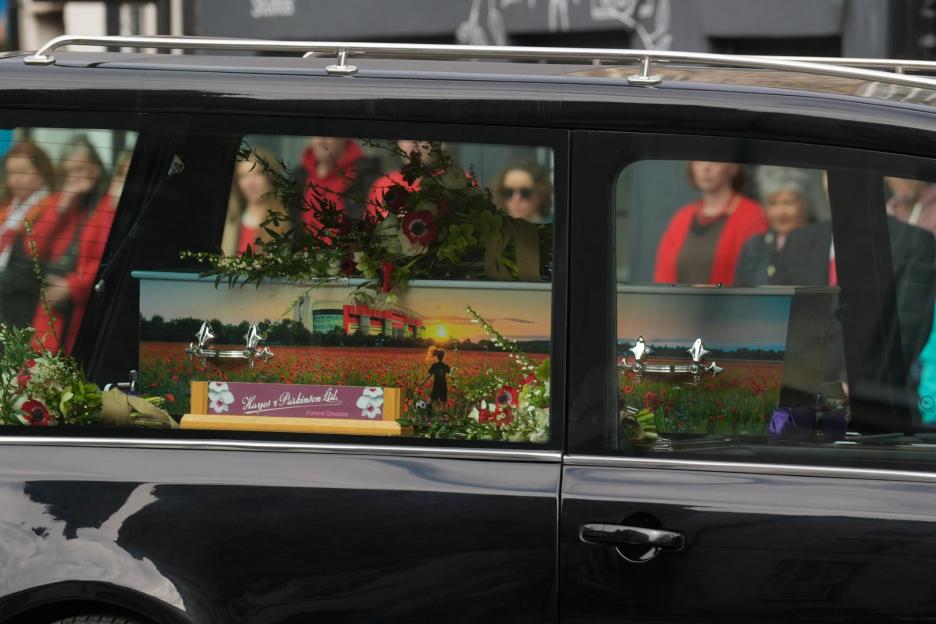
[514,409]
[437,223]
[41,388]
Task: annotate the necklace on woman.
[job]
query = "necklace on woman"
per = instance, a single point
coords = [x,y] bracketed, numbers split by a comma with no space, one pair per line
[705,220]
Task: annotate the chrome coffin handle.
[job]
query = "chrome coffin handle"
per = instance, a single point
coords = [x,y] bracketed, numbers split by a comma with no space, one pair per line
[632,543]
[697,368]
[251,353]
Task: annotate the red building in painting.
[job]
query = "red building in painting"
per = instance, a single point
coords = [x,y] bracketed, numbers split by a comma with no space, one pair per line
[384,319]
[394,321]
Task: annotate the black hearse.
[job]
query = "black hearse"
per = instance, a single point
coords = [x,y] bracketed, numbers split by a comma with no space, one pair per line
[529,335]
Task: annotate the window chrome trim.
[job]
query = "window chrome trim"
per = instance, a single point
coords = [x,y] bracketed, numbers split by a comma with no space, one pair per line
[804,470]
[307,447]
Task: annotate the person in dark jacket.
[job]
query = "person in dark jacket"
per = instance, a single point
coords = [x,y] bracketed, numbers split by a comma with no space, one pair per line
[808,259]
[784,195]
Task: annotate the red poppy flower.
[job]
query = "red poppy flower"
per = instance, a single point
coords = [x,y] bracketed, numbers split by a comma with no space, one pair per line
[419,227]
[22,379]
[506,397]
[36,413]
[395,198]
[529,379]
[628,389]
[170,397]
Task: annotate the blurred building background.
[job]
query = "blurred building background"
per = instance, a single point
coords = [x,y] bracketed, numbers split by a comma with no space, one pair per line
[872,28]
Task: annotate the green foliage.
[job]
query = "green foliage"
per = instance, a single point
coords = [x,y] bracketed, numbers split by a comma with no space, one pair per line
[437,224]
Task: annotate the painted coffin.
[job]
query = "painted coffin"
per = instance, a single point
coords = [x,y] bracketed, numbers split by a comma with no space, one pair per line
[712,360]
[272,344]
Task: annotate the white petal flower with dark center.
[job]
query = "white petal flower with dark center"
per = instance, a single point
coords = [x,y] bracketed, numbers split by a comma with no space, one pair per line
[219,397]
[371,411]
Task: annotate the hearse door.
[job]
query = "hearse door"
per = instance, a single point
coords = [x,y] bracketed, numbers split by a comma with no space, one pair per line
[703,499]
[277,526]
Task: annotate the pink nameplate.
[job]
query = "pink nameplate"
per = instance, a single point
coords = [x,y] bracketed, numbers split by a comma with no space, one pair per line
[294,400]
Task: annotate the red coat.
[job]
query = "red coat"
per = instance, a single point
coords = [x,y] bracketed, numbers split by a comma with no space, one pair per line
[333,185]
[746,221]
[53,235]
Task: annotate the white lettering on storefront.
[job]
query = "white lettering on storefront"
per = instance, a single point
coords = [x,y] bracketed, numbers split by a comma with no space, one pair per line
[272,8]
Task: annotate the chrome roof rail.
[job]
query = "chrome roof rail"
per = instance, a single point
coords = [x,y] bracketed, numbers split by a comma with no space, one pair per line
[898,66]
[843,68]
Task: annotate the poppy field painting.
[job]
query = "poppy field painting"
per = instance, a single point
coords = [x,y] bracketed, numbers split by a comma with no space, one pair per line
[743,361]
[468,357]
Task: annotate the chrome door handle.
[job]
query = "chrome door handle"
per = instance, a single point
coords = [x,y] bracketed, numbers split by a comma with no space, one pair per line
[619,535]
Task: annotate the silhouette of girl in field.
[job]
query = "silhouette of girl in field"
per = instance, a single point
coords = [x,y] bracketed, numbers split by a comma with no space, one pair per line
[438,373]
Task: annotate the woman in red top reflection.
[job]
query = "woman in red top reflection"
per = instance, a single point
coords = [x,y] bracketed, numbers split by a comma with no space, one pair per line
[703,240]
[69,234]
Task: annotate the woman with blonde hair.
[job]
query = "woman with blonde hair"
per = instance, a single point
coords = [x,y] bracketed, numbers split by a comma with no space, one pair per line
[252,200]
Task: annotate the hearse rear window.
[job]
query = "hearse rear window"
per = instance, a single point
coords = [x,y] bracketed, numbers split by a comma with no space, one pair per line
[312,285]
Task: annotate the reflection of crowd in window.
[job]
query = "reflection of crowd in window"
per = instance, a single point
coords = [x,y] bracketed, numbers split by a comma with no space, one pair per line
[704,238]
[56,217]
[339,174]
[727,238]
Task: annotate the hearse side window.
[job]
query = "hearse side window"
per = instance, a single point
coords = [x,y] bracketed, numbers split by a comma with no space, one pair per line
[296,284]
[735,332]
[60,189]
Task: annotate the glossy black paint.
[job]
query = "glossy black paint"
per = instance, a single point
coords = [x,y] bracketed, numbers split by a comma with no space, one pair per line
[759,548]
[232,536]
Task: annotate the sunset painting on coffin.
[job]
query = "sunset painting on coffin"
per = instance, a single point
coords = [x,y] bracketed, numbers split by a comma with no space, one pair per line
[332,340]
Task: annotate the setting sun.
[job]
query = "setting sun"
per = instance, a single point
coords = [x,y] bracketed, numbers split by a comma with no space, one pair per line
[441,332]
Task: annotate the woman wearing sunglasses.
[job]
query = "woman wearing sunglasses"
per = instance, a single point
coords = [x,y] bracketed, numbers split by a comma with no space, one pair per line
[524,191]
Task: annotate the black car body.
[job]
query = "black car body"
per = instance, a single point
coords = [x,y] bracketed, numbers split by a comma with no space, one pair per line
[198,526]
